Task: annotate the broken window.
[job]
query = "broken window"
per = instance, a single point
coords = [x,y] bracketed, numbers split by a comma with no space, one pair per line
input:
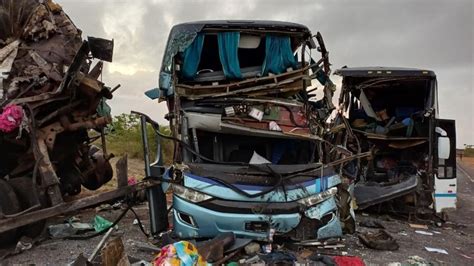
[234,55]
[241,148]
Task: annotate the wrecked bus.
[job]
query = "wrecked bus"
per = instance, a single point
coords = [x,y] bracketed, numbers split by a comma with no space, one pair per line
[393,113]
[249,157]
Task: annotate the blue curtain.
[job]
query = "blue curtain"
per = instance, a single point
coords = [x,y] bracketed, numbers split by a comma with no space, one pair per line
[192,57]
[228,53]
[278,55]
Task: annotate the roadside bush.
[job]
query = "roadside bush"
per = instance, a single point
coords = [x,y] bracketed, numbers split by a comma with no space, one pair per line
[124,136]
[469,152]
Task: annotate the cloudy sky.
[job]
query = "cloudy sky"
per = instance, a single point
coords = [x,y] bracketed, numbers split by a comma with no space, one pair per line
[436,35]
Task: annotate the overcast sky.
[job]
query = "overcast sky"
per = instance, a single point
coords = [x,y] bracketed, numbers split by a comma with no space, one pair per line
[436,35]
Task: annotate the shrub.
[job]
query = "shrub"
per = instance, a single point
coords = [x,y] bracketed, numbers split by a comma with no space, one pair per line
[124,136]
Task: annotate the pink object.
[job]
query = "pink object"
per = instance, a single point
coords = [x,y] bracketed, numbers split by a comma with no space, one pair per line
[132,181]
[11,118]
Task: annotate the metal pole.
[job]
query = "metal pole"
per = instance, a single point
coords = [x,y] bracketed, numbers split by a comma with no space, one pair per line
[146,148]
[157,205]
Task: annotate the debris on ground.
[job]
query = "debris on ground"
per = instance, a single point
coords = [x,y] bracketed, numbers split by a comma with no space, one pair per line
[381,240]
[421,232]
[348,261]
[68,229]
[278,257]
[371,223]
[213,250]
[417,260]
[437,250]
[179,253]
[100,245]
[101,224]
[25,243]
[252,248]
[419,226]
[113,253]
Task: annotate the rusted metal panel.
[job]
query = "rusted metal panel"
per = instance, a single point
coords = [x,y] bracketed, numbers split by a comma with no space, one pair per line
[51,81]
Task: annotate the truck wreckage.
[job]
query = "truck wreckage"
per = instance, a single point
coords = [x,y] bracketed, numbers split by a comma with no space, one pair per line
[51,98]
[251,154]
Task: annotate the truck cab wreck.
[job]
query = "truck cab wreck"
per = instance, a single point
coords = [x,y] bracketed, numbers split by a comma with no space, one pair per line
[393,113]
[249,156]
[51,98]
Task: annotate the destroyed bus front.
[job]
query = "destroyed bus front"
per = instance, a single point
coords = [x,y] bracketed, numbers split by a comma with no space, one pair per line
[393,113]
[249,157]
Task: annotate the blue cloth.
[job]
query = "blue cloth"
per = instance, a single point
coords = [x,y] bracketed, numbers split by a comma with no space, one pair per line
[228,53]
[278,55]
[192,57]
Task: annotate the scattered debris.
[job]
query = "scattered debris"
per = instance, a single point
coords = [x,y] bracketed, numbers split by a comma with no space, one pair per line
[380,240]
[100,245]
[278,257]
[81,260]
[403,233]
[213,250]
[25,243]
[419,226]
[371,223]
[437,250]
[252,260]
[179,253]
[466,256]
[423,233]
[101,224]
[348,261]
[68,229]
[417,260]
[113,253]
[252,248]
[146,247]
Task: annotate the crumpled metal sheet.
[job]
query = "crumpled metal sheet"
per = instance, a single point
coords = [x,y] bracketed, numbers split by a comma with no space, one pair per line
[48,41]
[45,69]
[7,56]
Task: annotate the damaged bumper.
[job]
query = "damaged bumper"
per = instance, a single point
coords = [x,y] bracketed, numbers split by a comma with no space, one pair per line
[212,209]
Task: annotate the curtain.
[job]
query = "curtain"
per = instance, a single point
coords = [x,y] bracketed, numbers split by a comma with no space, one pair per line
[192,57]
[228,43]
[278,55]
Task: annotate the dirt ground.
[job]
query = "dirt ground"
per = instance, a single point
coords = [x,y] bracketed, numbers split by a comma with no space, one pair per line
[455,236]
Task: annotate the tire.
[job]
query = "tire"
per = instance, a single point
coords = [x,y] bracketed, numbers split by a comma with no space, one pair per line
[9,204]
[24,190]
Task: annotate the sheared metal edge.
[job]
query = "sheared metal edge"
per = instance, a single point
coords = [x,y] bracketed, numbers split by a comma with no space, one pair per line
[7,57]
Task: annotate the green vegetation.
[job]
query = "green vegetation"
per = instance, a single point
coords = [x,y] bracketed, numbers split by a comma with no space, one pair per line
[469,151]
[124,137]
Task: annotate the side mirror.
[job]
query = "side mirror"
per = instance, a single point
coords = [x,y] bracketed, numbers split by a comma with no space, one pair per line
[444,147]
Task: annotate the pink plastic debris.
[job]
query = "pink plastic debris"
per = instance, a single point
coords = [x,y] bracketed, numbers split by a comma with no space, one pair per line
[11,118]
[132,181]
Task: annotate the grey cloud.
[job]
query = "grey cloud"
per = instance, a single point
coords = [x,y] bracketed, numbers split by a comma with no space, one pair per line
[435,35]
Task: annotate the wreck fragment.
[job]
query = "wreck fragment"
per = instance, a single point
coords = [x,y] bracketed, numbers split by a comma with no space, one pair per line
[393,114]
[49,99]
